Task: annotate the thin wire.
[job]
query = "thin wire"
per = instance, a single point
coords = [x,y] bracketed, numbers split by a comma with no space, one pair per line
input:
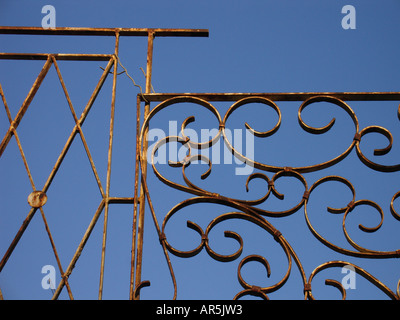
[146,77]
[111,72]
[133,81]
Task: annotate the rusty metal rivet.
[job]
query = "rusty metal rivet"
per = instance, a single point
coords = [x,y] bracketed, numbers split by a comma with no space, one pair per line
[37,199]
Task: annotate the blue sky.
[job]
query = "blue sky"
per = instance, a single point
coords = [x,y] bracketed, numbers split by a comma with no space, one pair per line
[253,46]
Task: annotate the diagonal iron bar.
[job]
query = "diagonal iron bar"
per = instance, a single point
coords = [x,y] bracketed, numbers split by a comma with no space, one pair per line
[25,104]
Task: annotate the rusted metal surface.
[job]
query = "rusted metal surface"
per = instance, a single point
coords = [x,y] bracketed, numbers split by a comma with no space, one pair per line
[14,123]
[58,56]
[132,290]
[37,199]
[243,210]
[109,160]
[279,96]
[133,32]
[143,156]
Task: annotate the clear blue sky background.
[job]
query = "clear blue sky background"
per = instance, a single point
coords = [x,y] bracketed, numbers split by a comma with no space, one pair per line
[253,46]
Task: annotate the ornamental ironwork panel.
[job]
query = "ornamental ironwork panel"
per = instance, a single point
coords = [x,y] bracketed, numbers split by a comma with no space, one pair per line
[307,172]
[198,160]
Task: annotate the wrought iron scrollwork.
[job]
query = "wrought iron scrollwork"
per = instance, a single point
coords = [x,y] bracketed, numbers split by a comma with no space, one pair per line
[250,210]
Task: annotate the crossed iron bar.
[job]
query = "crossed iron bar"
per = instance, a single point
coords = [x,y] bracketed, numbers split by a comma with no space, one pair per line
[247,209]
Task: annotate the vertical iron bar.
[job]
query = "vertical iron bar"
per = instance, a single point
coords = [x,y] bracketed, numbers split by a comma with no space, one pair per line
[135,202]
[103,250]
[142,200]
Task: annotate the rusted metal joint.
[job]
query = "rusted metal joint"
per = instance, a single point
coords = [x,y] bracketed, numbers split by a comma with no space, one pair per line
[12,125]
[11,130]
[162,238]
[307,287]
[216,195]
[350,206]
[204,237]
[221,126]
[277,234]
[256,289]
[288,170]
[357,137]
[37,199]
[306,195]
[270,183]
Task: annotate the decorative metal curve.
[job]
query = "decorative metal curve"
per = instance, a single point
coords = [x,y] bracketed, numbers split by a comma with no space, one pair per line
[339,286]
[362,252]
[392,210]
[377,152]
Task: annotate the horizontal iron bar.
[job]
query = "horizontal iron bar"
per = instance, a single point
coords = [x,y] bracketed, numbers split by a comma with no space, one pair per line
[293,96]
[58,56]
[121,200]
[160,32]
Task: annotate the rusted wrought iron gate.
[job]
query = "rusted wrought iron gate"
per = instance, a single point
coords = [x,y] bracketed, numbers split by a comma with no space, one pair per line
[245,210]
